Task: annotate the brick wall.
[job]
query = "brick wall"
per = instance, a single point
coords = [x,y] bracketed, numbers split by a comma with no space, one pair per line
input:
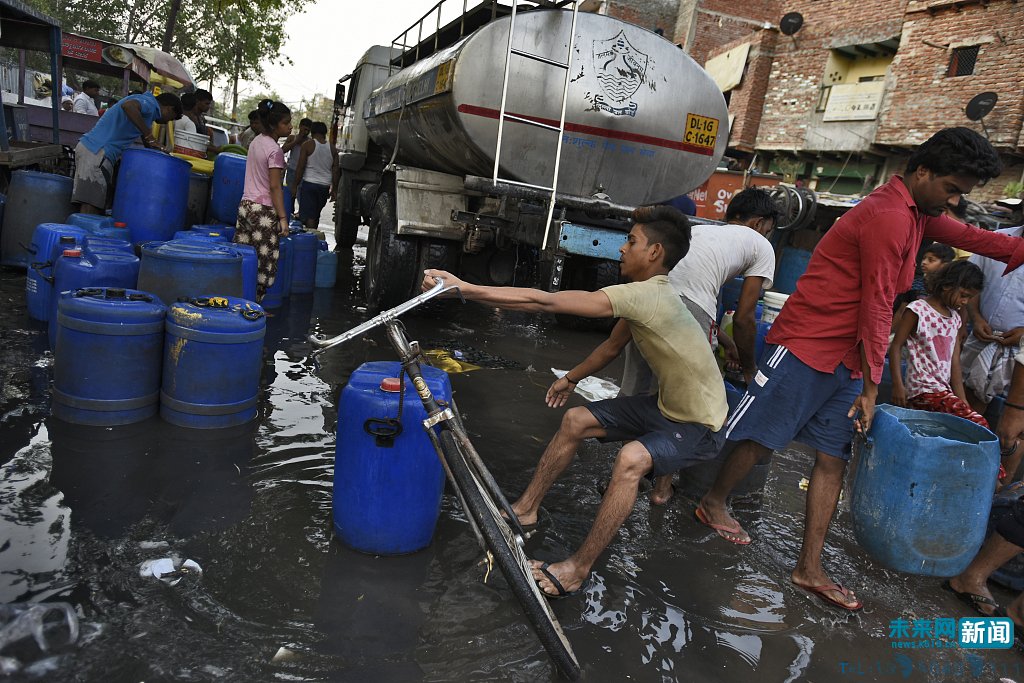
[799,67]
[925,100]
[725,21]
[747,99]
[649,14]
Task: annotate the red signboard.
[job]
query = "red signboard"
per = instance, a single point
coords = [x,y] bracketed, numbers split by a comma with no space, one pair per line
[713,196]
[77,47]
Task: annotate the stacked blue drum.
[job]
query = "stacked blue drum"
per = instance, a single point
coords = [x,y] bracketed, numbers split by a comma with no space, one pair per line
[305,246]
[380,459]
[213,355]
[44,250]
[186,269]
[228,231]
[228,184]
[32,198]
[101,226]
[107,361]
[282,284]
[82,268]
[209,236]
[152,194]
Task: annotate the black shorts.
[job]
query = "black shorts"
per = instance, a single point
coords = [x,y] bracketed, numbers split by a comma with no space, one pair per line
[312,200]
[672,445]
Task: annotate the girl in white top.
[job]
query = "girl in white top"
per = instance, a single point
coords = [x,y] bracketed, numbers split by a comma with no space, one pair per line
[931,329]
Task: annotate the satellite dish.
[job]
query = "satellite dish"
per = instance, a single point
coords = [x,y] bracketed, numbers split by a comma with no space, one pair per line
[791,23]
[980,105]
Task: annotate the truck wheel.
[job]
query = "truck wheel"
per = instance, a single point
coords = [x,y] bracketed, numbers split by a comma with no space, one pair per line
[391,261]
[588,274]
[346,227]
[442,255]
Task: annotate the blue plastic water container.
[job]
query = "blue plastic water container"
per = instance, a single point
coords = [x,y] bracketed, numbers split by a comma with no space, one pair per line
[213,357]
[228,231]
[923,490]
[32,198]
[729,296]
[250,269]
[94,243]
[792,265]
[151,197]
[106,369]
[226,187]
[91,222]
[326,268]
[39,278]
[89,271]
[282,284]
[209,236]
[387,492]
[190,268]
[305,246]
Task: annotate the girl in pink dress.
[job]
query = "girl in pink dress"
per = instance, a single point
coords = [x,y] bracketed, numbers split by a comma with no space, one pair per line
[931,328]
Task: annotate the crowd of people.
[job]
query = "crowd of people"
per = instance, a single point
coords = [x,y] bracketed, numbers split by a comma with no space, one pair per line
[816,382]
[310,171]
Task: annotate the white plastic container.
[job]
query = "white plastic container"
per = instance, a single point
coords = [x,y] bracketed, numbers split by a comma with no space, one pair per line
[191,144]
[773,303]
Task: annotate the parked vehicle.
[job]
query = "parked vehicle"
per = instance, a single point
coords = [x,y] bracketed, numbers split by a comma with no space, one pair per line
[423,125]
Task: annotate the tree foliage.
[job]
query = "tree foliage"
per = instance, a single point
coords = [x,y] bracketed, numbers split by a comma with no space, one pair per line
[216,39]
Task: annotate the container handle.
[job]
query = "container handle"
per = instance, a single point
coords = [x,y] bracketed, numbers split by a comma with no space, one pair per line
[40,267]
[384,430]
[87,291]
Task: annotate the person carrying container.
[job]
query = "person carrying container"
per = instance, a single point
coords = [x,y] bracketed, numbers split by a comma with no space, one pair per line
[678,427]
[101,148]
[262,218]
[316,175]
[818,377]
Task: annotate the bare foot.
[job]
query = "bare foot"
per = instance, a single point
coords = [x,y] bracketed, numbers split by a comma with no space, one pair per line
[663,490]
[566,572]
[824,588]
[719,519]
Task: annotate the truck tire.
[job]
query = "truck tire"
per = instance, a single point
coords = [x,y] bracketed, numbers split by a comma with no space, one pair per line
[346,227]
[441,255]
[589,274]
[391,261]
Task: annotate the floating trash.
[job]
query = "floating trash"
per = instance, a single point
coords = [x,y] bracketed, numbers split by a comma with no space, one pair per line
[592,388]
[170,570]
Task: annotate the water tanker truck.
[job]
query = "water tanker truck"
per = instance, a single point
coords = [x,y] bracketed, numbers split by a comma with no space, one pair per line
[421,127]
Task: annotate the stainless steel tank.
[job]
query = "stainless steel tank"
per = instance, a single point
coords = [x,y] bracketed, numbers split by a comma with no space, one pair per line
[644,122]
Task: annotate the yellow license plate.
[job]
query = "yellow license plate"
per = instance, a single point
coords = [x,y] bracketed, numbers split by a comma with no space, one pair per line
[701,131]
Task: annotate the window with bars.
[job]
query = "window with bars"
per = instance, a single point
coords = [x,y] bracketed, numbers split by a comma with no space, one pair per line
[962,61]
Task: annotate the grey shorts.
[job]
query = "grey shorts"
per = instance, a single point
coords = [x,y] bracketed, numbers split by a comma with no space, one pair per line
[672,445]
[93,173]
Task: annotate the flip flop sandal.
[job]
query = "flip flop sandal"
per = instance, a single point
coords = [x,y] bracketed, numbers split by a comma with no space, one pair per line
[562,593]
[973,600]
[721,529]
[822,593]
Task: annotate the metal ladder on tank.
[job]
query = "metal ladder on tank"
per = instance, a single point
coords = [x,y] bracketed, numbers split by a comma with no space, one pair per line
[503,114]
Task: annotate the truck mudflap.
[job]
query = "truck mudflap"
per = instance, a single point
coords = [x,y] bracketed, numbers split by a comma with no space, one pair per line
[586,240]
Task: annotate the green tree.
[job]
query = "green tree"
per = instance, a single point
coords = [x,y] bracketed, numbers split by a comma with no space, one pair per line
[317,108]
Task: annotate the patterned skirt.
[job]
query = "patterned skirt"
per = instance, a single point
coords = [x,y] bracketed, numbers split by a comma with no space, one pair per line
[258,225]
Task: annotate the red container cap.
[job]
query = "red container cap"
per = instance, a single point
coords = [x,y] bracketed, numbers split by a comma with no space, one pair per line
[119,224]
[392,385]
[73,252]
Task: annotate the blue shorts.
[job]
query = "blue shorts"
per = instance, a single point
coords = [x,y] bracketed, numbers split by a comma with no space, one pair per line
[791,401]
[672,445]
[312,200]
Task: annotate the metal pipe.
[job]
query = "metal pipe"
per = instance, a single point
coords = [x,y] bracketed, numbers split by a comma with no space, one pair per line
[599,207]
[56,83]
[22,67]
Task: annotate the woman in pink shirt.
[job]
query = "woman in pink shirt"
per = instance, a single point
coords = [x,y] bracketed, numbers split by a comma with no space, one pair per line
[262,218]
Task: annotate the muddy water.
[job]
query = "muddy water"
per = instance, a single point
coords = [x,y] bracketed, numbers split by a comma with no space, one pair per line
[280,599]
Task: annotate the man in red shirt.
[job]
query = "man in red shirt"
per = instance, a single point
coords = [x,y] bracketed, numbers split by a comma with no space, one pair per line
[825,351]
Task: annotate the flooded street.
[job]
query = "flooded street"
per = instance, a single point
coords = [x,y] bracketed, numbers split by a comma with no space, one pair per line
[280,599]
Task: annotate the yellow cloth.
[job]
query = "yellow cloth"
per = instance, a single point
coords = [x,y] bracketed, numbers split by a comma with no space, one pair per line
[442,359]
[690,386]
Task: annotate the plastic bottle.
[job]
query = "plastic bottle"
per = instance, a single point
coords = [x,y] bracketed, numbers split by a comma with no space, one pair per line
[725,328]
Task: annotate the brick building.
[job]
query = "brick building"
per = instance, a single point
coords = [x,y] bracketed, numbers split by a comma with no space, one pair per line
[842,102]
[861,83]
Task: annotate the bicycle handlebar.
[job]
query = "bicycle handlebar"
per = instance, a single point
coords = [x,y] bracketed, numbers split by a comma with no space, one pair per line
[321,342]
